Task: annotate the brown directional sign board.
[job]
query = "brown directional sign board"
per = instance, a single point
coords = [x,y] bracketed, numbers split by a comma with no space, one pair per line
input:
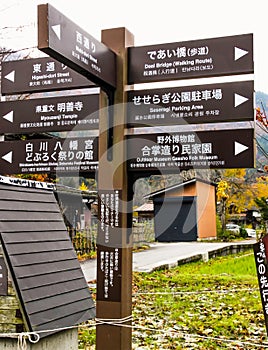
[66,156]
[219,102]
[39,75]
[65,41]
[191,59]
[50,114]
[188,150]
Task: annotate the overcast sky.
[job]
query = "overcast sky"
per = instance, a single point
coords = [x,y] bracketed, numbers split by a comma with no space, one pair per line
[150,21]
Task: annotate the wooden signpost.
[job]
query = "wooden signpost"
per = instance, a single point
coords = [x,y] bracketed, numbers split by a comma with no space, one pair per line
[105,64]
[119,154]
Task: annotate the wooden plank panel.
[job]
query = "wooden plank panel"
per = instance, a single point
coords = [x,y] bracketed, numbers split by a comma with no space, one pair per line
[40,255]
[31,197]
[42,258]
[50,278]
[29,216]
[71,319]
[62,312]
[45,292]
[32,226]
[34,306]
[38,247]
[28,206]
[28,236]
[49,267]
[24,188]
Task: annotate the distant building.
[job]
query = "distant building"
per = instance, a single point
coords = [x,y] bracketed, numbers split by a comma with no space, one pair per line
[145,212]
[185,211]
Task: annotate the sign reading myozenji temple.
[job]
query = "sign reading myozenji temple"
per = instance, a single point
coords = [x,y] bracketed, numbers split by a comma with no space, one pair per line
[63,113]
[71,155]
[39,75]
[193,149]
[62,39]
[191,59]
[218,102]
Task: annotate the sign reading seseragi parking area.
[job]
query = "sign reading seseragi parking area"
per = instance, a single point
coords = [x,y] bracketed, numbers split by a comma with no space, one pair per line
[191,59]
[222,102]
[187,150]
[63,113]
[68,156]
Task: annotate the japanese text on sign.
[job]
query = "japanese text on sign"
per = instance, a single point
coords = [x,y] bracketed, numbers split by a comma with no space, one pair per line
[183,97]
[84,50]
[262,272]
[49,67]
[164,68]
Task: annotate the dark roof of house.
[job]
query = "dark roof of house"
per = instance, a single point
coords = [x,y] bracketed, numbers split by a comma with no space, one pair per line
[46,273]
[177,186]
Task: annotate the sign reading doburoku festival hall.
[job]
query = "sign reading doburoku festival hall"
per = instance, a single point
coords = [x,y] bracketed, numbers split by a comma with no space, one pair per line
[63,113]
[49,155]
[218,102]
[65,41]
[191,59]
[39,75]
[187,150]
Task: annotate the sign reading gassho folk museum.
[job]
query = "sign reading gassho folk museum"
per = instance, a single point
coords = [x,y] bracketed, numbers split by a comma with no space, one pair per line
[49,155]
[39,75]
[63,113]
[67,42]
[187,150]
[222,102]
[191,59]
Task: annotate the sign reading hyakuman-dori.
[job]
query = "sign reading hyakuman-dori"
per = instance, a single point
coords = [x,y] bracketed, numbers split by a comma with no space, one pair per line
[219,102]
[68,43]
[39,75]
[191,59]
[187,150]
[63,113]
[67,156]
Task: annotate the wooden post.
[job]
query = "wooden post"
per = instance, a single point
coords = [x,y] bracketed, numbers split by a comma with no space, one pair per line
[114,248]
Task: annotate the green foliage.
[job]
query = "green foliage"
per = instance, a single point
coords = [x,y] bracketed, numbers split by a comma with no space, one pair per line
[263,206]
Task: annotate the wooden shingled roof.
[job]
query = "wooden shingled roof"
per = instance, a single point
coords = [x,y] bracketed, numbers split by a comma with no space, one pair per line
[46,274]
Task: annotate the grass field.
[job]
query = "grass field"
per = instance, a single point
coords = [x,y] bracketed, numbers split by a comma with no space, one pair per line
[203,305]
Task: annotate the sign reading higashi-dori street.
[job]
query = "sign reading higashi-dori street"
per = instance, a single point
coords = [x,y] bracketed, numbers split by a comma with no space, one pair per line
[39,75]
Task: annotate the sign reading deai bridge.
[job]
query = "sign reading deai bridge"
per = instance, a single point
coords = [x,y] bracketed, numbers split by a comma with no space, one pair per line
[191,59]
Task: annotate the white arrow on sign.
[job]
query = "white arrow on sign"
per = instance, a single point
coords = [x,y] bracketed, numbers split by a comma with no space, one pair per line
[8,157]
[238,53]
[239,148]
[9,116]
[57,30]
[239,100]
[11,76]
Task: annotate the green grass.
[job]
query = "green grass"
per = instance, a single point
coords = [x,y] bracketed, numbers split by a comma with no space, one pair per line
[203,305]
